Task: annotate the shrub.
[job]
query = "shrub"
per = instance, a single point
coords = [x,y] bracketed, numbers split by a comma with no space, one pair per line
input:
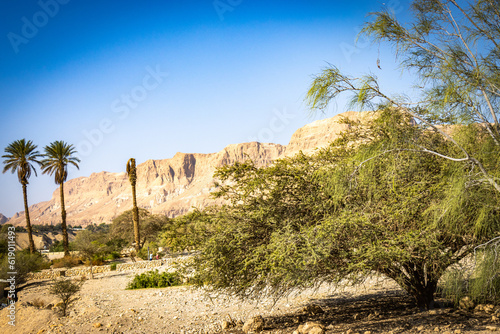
[57,246]
[482,285]
[153,279]
[113,266]
[454,285]
[66,262]
[113,256]
[24,264]
[38,303]
[65,290]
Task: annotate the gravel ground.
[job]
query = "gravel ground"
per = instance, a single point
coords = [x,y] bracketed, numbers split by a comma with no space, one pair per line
[104,305]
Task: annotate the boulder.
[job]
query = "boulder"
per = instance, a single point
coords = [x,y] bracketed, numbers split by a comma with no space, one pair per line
[254,325]
[311,328]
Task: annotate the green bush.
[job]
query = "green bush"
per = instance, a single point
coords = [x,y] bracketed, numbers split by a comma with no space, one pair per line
[454,285]
[113,266]
[24,264]
[113,256]
[482,285]
[153,249]
[153,279]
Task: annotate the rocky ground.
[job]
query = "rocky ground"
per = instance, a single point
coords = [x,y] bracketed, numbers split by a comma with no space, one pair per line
[104,305]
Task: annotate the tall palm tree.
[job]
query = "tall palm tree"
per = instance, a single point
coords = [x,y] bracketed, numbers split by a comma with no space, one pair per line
[21,155]
[132,176]
[58,155]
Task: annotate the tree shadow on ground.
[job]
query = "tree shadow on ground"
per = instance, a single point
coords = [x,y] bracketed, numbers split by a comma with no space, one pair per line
[390,311]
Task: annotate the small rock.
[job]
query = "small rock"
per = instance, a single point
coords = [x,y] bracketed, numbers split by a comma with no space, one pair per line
[489,308]
[313,309]
[367,332]
[97,325]
[458,331]
[255,324]
[226,324]
[494,318]
[492,328]
[311,328]
[466,303]
[420,328]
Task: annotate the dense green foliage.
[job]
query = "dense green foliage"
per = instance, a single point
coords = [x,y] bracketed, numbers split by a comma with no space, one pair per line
[153,279]
[122,228]
[380,205]
[481,282]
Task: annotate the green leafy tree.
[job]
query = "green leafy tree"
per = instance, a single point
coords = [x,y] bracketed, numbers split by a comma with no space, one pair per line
[58,155]
[132,176]
[90,245]
[454,51]
[20,157]
[363,205]
[150,225]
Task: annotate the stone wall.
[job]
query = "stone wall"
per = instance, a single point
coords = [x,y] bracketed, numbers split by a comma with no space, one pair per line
[85,271]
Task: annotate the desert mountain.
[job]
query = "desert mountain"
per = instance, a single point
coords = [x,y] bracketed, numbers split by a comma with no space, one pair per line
[3,219]
[170,186]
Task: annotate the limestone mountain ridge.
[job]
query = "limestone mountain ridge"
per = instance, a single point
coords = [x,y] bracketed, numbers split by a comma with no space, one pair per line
[171,186]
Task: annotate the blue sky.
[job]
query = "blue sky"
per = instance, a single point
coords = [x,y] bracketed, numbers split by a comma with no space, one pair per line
[122,79]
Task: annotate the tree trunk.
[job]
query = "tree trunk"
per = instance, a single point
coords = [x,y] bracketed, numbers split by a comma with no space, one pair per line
[135,219]
[63,222]
[423,295]
[415,281]
[28,223]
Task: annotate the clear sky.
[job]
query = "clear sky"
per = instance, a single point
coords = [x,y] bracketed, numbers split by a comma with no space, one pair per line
[147,79]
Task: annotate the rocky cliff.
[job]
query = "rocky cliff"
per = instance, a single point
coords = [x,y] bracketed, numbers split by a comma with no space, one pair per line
[3,219]
[170,186]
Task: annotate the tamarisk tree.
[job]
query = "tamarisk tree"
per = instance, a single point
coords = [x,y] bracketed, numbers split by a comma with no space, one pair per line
[365,204]
[454,49]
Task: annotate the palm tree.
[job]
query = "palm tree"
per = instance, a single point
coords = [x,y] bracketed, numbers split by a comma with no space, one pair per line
[20,156]
[132,176]
[58,155]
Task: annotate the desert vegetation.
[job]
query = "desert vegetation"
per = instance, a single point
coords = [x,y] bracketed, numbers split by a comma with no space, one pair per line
[410,193]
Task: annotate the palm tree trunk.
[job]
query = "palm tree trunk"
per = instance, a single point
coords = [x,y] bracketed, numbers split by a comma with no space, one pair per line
[63,223]
[135,218]
[28,223]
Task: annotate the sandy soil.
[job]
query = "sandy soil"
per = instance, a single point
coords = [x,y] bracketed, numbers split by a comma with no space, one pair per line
[104,305]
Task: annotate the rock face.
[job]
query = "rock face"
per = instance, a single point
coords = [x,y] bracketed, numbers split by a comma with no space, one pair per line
[3,219]
[170,186]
